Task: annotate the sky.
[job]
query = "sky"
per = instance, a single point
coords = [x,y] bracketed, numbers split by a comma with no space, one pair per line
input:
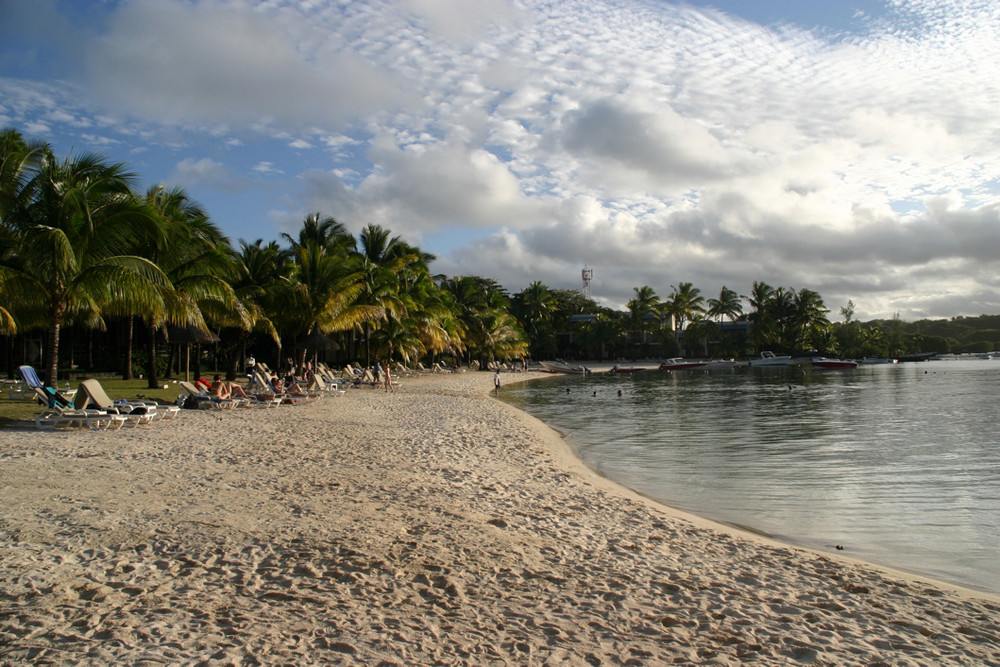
[848,147]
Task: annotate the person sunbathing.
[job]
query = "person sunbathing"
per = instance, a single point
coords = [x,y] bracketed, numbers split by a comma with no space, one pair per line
[222,389]
[292,388]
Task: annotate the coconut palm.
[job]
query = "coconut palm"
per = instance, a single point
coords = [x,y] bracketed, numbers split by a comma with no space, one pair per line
[683,304]
[75,231]
[764,326]
[323,294]
[262,275]
[198,262]
[643,308]
[482,306]
[538,309]
[19,162]
[809,321]
[729,304]
[383,259]
[324,230]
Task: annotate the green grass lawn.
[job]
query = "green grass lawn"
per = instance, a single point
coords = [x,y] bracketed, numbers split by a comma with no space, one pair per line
[13,412]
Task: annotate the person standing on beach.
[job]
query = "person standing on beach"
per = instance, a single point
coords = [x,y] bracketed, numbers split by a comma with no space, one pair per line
[251,364]
[496,382]
[388,380]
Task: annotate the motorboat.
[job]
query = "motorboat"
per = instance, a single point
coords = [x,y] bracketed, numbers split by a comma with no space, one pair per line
[560,366]
[680,364]
[626,370]
[823,362]
[771,359]
[881,360]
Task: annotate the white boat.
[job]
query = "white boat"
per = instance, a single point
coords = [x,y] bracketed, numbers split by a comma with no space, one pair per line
[868,362]
[771,359]
[560,366]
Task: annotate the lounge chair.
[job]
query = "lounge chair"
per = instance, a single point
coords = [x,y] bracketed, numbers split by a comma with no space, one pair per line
[96,420]
[92,393]
[33,382]
[206,401]
[282,396]
[56,414]
[319,384]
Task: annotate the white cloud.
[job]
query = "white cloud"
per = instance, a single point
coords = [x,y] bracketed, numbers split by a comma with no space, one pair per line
[266,167]
[207,172]
[655,142]
[219,63]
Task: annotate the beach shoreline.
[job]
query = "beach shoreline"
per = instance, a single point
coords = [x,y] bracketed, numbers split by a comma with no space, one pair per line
[434,525]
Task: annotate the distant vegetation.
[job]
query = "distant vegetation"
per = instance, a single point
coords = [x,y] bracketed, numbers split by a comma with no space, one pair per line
[96,277]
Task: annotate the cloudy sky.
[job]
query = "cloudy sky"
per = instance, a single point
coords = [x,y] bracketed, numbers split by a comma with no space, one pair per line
[852,148]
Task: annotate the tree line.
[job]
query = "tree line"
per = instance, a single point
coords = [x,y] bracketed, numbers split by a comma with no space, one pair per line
[83,253]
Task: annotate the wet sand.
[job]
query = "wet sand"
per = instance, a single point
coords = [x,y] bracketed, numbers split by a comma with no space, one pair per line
[434,525]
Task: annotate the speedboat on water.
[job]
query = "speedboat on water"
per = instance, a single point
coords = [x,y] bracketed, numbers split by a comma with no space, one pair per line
[885,360]
[625,370]
[560,366]
[823,362]
[679,364]
[771,359]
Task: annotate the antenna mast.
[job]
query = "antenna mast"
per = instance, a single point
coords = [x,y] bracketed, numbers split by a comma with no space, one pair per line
[587,275]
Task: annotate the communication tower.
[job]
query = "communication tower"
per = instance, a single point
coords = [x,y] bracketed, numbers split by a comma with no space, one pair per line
[588,275]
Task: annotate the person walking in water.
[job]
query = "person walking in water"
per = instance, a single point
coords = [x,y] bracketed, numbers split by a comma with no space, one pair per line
[496,382]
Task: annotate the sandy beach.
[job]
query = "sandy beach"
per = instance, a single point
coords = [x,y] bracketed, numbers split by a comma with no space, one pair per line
[434,525]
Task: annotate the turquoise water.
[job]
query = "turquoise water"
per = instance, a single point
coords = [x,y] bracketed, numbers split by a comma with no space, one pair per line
[899,464]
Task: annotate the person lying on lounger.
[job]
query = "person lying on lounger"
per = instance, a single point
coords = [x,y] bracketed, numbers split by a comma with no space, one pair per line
[291,388]
[223,389]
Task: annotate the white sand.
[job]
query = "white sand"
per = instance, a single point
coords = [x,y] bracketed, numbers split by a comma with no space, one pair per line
[435,525]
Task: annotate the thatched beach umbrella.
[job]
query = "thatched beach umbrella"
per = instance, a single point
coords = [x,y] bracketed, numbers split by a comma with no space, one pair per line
[317,341]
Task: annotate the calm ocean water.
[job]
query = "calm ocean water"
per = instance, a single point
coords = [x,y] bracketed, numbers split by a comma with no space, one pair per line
[900,464]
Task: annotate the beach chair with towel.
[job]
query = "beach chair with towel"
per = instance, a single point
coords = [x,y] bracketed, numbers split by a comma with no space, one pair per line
[34,383]
[55,415]
[92,393]
[59,411]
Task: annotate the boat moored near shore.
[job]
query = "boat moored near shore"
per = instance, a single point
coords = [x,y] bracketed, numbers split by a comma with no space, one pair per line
[560,366]
[768,358]
[679,364]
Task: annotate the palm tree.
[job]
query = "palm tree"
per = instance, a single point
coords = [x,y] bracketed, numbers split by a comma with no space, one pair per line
[325,231]
[810,322]
[262,274]
[19,162]
[764,326]
[644,306]
[198,262]
[323,294]
[75,230]
[729,304]
[383,258]
[482,306]
[538,308]
[683,304]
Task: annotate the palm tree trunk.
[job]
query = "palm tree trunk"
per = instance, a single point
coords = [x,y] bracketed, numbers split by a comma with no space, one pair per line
[153,381]
[127,371]
[51,375]
[368,345]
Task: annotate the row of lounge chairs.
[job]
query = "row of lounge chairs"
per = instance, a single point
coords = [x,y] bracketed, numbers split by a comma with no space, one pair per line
[90,406]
